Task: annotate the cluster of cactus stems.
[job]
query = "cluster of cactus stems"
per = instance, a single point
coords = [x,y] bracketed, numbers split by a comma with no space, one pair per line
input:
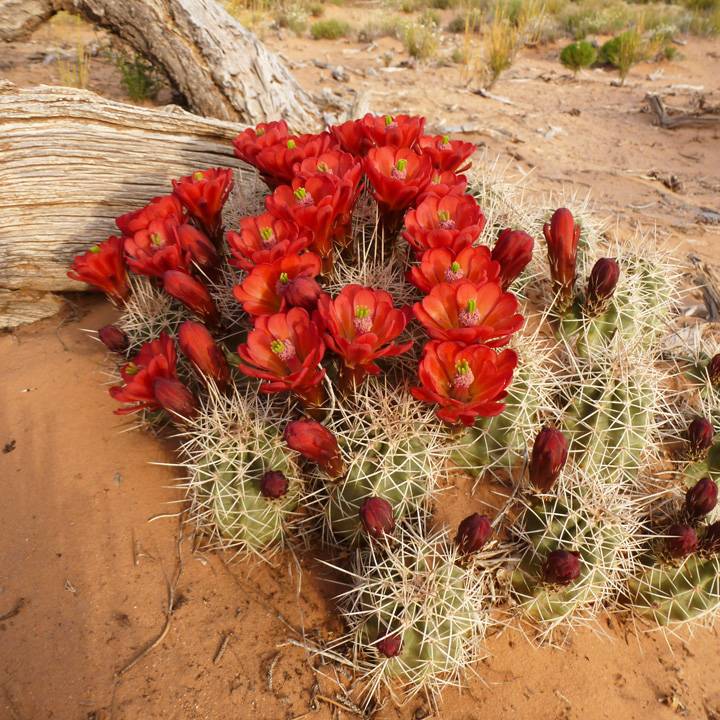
[310,408]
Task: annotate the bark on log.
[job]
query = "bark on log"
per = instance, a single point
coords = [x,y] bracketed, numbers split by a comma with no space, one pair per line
[221,68]
[71,161]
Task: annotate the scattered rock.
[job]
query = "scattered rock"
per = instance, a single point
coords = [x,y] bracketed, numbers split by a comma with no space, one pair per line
[339,74]
[8,447]
[706,216]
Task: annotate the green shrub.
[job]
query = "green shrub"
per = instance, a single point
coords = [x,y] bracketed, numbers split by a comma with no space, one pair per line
[623,51]
[139,77]
[329,29]
[578,55]
[420,40]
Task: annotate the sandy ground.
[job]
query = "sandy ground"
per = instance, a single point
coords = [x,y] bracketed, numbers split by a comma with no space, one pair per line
[84,575]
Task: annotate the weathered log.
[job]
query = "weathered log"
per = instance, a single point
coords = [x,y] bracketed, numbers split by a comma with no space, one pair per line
[221,68]
[71,162]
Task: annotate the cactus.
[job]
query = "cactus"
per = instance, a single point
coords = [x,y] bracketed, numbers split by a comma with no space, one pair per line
[392,447]
[228,449]
[416,614]
[499,443]
[598,525]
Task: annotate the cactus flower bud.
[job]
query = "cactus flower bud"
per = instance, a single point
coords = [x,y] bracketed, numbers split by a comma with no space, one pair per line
[562,567]
[513,250]
[113,338]
[377,518]
[681,541]
[700,436]
[713,370]
[316,443]
[711,538]
[562,236]
[701,498]
[174,397]
[601,285]
[549,455]
[200,348]
[473,532]
[273,484]
[389,646]
[191,293]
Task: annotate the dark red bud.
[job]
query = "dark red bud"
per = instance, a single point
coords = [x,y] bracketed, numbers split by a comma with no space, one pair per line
[713,370]
[513,250]
[602,283]
[175,398]
[114,339]
[303,292]
[682,541]
[389,646]
[700,436]
[191,293]
[549,455]
[376,515]
[711,538]
[473,532]
[701,498]
[562,567]
[317,443]
[273,484]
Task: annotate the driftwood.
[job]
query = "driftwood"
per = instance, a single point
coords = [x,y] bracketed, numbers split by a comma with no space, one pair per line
[221,68]
[675,119]
[71,161]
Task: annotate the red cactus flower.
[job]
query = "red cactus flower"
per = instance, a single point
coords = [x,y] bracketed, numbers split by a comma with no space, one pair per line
[155,359]
[472,534]
[103,266]
[204,194]
[191,293]
[156,249]
[549,455]
[159,208]
[376,515]
[274,287]
[513,250]
[562,236]
[351,137]
[562,567]
[453,221]
[442,184]
[442,265]
[175,398]
[467,382]
[285,351]
[447,155]
[264,239]
[360,325]
[199,346]
[113,338]
[279,161]
[401,131]
[469,313]
[334,162]
[681,541]
[320,206]
[315,442]
[273,484]
[249,143]
[397,175]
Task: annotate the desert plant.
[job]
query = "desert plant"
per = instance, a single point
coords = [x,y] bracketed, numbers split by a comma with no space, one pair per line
[76,72]
[421,39]
[139,77]
[329,29]
[578,55]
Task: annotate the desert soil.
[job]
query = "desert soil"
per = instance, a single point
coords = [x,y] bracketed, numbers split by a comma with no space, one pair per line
[90,541]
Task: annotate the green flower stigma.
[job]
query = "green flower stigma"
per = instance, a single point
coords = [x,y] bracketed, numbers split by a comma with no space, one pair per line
[291,144]
[300,193]
[455,266]
[361,311]
[443,216]
[198,175]
[445,140]
[389,120]
[155,239]
[277,346]
[401,164]
[284,279]
[266,233]
[462,367]
[95,249]
[472,305]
